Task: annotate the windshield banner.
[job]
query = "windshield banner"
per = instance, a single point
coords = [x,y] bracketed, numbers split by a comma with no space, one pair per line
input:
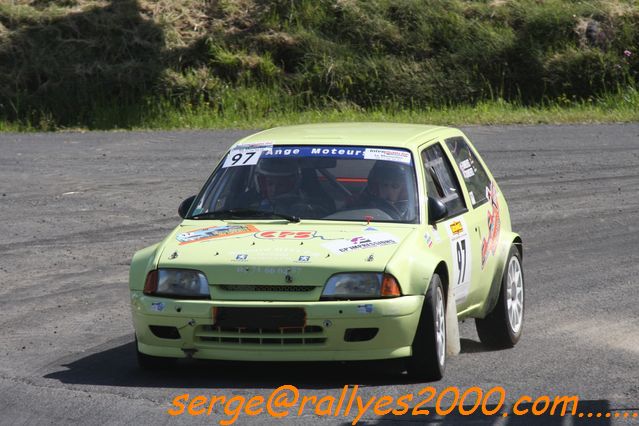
[355,152]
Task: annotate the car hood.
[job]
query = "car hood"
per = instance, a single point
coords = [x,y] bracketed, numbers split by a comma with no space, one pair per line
[276,261]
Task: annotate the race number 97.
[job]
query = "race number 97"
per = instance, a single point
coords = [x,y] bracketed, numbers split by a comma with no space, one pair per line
[462,260]
[242,158]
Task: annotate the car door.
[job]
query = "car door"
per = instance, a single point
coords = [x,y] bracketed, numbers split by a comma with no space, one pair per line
[483,215]
[442,183]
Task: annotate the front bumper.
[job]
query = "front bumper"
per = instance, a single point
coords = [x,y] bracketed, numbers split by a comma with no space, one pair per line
[323,338]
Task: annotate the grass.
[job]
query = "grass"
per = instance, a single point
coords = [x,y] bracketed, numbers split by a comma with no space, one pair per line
[486,113]
[620,108]
[106,64]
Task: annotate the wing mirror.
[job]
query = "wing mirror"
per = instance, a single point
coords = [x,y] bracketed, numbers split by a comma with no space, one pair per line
[436,210]
[185,206]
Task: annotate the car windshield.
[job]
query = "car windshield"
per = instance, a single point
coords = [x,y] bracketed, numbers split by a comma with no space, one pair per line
[311,182]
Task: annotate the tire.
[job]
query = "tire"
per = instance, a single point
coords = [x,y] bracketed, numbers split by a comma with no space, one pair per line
[152,363]
[428,361]
[503,326]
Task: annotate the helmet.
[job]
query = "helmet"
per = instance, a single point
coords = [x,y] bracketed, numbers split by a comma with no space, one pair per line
[276,176]
[387,173]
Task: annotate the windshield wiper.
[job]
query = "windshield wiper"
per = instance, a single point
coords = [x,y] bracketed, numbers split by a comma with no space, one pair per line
[243,213]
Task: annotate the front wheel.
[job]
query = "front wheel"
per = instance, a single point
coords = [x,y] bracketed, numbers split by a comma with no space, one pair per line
[503,326]
[428,361]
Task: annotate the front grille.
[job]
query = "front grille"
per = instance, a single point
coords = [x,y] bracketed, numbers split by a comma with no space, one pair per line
[216,335]
[265,318]
[280,288]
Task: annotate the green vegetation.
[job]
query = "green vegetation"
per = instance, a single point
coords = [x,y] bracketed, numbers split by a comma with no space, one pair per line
[254,63]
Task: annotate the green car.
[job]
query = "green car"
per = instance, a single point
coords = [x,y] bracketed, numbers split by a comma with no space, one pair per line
[334,242]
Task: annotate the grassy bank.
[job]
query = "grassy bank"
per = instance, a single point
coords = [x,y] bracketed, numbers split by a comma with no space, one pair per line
[609,109]
[103,64]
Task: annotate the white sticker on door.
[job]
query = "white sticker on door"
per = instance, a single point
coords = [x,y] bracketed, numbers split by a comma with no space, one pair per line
[467,169]
[462,258]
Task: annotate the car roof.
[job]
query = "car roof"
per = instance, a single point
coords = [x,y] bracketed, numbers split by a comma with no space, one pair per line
[365,134]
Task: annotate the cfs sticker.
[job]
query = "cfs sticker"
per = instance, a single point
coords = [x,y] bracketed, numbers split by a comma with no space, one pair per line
[304,259]
[373,240]
[246,154]
[214,232]
[241,257]
[462,259]
[489,244]
[285,235]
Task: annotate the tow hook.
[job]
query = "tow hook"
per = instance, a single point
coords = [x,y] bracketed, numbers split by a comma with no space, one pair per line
[189,352]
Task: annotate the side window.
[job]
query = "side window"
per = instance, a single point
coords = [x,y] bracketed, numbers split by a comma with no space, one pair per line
[441,182]
[475,176]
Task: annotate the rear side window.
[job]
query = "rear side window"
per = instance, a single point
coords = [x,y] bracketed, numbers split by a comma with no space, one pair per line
[441,182]
[475,176]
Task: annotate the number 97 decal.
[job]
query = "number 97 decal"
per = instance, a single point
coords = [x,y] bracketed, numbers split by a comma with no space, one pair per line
[462,261]
[244,156]
[461,256]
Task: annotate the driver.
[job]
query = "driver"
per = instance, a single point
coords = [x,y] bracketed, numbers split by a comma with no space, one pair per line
[386,189]
[277,178]
[277,181]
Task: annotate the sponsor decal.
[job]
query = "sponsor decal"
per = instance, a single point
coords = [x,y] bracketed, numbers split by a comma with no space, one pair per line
[304,259]
[462,259]
[428,239]
[467,169]
[456,228]
[489,243]
[253,145]
[270,270]
[365,309]
[241,257]
[213,232]
[157,306]
[395,155]
[370,241]
[285,235]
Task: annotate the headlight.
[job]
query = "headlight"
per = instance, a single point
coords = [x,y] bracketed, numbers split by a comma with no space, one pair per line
[363,285]
[185,283]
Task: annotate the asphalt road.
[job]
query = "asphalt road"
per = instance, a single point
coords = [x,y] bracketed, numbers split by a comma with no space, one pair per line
[74,207]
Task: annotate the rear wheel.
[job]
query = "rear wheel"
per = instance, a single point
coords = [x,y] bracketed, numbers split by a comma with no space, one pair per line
[428,361]
[502,328]
[151,363]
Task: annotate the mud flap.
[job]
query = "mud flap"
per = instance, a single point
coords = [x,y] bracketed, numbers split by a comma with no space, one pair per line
[453,345]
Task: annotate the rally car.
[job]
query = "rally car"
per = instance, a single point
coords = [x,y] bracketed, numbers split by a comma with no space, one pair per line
[334,242]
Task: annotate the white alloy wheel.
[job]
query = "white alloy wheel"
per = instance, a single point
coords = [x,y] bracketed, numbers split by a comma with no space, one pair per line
[440,327]
[503,326]
[515,295]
